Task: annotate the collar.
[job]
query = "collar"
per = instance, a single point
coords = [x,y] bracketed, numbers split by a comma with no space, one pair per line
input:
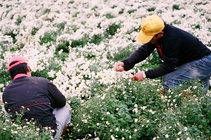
[19,75]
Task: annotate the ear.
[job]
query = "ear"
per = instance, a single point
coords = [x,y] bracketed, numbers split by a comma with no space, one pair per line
[161,34]
[28,69]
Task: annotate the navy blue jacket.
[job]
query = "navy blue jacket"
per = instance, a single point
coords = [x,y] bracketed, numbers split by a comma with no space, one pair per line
[36,96]
[178,47]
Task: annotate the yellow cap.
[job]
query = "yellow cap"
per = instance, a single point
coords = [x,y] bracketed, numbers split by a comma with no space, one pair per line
[150,26]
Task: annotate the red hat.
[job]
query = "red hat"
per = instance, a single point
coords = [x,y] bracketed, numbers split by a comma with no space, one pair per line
[17,59]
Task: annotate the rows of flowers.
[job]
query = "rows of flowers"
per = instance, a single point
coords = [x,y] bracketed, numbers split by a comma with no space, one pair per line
[75,43]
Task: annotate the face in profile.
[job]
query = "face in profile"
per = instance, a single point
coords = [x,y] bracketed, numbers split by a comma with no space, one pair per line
[156,38]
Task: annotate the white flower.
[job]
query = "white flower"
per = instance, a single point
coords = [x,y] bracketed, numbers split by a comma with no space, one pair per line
[85,120]
[113,138]
[152,112]
[135,110]
[194,87]
[135,105]
[108,113]
[103,97]
[143,107]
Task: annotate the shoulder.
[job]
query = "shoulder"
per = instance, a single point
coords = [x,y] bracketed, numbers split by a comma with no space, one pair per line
[172,34]
[39,79]
[171,30]
[147,46]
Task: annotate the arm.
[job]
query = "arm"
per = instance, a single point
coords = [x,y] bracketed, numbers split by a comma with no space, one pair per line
[139,55]
[168,66]
[57,98]
[171,49]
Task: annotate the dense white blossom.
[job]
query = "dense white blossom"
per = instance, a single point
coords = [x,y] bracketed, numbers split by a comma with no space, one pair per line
[88,18]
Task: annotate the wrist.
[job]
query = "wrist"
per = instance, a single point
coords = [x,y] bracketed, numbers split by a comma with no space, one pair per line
[143,74]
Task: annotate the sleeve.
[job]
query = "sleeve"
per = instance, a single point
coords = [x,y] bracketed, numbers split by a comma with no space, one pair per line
[171,49]
[137,56]
[57,98]
[168,65]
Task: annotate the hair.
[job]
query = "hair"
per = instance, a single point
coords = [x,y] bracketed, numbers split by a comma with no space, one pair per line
[21,68]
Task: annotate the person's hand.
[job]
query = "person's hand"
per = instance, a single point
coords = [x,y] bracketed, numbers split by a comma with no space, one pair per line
[138,76]
[119,67]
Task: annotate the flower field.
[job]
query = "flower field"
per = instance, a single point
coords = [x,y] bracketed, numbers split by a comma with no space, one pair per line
[75,44]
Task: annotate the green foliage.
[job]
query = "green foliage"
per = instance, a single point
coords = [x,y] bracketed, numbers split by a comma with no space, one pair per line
[21,130]
[121,54]
[62,50]
[63,46]
[109,16]
[19,20]
[61,26]
[187,114]
[62,56]
[208,20]
[125,110]
[133,110]
[46,11]
[202,3]
[4,77]
[121,11]
[175,22]
[48,37]
[196,26]
[40,73]
[96,39]
[118,111]
[153,61]
[53,65]
[175,97]
[111,30]
[176,7]
[132,11]
[34,30]
[80,42]
[151,9]
[13,35]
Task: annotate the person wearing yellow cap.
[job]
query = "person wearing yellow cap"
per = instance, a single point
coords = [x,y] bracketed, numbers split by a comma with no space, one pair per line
[184,56]
[36,97]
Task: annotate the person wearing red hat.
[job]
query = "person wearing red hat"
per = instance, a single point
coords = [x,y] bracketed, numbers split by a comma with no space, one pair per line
[37,97]
[184,56]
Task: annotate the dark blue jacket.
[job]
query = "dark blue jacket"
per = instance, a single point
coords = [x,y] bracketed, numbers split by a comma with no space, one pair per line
[178,47]
[36,96]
